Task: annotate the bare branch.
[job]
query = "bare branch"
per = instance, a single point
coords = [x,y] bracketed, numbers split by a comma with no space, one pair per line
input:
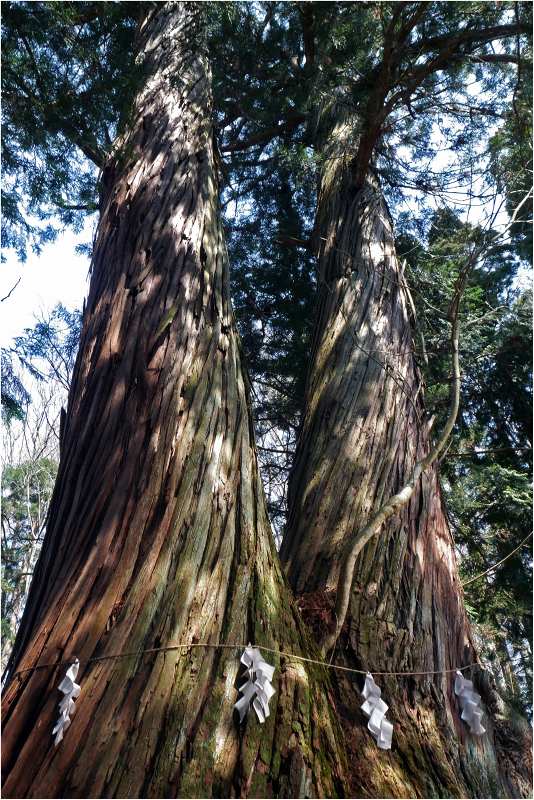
[293,241]
[11,290]
[472,453]
[308,31]
[444,51]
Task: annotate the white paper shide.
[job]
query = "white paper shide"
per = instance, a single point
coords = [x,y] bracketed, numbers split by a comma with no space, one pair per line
[71,691]
[375,708]
[257,688]
[469,703]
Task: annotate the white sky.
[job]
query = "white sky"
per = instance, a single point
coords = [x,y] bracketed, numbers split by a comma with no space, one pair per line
[57,275]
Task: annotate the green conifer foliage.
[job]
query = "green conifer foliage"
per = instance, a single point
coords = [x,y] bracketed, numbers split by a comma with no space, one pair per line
[67,78]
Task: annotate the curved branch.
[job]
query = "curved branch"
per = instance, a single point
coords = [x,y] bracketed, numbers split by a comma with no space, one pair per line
[8,295]
[468,36]
[402,497]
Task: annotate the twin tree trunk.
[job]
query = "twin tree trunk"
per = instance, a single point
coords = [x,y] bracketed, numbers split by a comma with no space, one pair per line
[364,428]
[158,532]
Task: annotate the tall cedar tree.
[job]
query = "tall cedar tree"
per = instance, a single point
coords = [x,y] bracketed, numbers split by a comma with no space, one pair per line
[158,531]
[364,428]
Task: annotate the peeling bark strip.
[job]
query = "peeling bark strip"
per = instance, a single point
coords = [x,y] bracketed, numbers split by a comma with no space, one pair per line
[363,431]
[158,530]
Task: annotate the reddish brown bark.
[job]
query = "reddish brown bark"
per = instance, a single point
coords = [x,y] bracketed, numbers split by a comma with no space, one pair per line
[363,429]
[158,531]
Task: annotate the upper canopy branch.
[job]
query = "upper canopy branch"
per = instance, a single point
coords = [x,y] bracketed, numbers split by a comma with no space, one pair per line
[468,36]
[398,87]
[81,138]
[292,121]
[307,19]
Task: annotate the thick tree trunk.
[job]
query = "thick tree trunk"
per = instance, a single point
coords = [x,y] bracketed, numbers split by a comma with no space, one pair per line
[158,532]
[364,427]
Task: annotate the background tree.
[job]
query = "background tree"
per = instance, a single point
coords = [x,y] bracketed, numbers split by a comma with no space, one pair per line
[31,454]
[40,361]
[487,469]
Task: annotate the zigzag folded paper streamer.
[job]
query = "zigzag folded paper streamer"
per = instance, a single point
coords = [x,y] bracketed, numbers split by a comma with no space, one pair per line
[469,703]
[375,708]
[257,689]
[71,690]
